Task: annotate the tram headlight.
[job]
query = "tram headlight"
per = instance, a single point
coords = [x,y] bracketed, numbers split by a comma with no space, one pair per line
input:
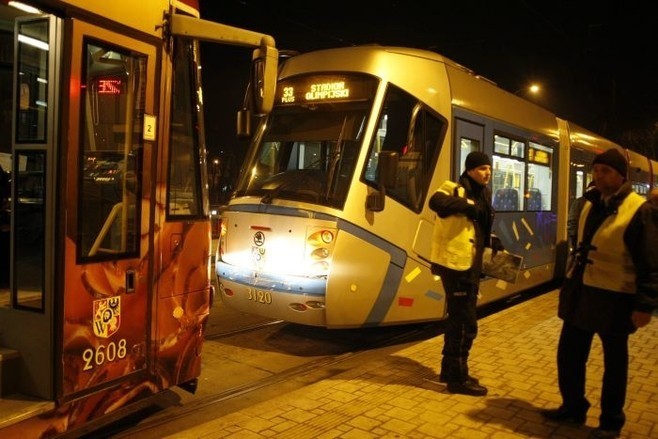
[319,249]
[320,253]
[327,236]
[321,237]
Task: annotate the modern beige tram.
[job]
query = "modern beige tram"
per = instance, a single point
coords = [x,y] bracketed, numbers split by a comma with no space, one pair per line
[329,223]
[105,232]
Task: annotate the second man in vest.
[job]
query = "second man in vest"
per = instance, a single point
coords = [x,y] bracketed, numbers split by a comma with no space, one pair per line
[611,290]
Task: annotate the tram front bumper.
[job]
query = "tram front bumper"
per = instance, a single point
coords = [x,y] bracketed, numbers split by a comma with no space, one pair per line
[297,299]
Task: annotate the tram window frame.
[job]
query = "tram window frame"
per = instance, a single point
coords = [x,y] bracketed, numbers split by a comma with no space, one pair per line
[512,150]
[417,134]
[186,195]
[110,171]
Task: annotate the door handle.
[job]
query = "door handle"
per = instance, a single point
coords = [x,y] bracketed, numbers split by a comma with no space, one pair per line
[130,281]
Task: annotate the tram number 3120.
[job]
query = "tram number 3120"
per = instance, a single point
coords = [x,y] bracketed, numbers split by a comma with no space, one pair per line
[260,296]
[102,353]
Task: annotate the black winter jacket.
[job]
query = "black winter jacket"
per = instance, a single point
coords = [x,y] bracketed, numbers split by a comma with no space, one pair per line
[605,311]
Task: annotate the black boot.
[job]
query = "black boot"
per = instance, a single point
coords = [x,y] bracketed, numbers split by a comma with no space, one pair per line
[467,387]
[563,414]
[455,368]
[444,379]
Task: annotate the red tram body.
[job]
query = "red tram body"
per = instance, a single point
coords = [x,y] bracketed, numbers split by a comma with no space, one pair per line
[105,237]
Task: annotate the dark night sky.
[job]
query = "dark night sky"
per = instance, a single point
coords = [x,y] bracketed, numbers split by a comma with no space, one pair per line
[595,60]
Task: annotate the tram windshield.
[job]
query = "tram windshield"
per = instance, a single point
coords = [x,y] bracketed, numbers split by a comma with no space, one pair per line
[307,149]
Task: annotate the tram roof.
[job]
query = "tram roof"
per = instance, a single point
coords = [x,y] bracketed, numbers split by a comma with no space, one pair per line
[141,15]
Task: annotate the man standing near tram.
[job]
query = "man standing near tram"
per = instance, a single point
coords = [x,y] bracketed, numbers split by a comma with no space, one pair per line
[611,290]
[462,230]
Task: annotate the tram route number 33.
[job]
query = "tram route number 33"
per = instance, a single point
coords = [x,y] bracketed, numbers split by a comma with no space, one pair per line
[102,353]
[259,296]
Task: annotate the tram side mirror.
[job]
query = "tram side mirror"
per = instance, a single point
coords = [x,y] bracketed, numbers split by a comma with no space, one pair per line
[387,173]
[263,76]
[243,126]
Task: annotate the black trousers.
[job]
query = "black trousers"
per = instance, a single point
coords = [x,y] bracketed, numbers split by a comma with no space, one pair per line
[573,351]
[461,324]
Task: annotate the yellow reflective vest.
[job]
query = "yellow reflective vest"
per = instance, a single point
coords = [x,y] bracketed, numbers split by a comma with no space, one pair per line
[611,266]
[453,238]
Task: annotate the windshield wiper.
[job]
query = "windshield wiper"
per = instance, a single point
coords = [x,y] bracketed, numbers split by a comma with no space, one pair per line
[334,159]
[288,178]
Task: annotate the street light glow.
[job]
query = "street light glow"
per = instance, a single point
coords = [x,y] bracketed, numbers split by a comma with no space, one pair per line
[532,89]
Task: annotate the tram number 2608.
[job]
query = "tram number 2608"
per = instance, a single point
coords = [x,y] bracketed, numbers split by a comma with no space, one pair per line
[259,296]
[102,353]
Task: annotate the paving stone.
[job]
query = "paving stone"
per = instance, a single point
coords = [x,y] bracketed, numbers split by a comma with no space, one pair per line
[398,396]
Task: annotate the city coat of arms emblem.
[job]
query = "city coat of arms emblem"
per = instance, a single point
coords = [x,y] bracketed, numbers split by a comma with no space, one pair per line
[107,316]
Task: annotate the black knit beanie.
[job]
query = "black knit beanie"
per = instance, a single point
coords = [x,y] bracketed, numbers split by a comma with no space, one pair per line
[476,159]
[614,159]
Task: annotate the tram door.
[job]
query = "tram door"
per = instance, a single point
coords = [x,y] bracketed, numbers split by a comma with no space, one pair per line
[108,215]
[76,211]
[30,53]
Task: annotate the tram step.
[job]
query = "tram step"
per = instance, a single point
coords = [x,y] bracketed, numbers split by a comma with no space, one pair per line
[8,371]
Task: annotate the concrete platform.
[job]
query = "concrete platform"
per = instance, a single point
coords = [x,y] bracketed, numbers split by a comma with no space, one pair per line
[394,396]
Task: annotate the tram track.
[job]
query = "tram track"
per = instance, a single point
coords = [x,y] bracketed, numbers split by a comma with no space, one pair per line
[295,377]
[244,330]
[175,409]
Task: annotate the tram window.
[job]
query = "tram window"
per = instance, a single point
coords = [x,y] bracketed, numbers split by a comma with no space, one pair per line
[580,184]
[32,88]
[184,190]
[6,107]
[518,149]
[466,146]
[407,128]
[540,177]
[5,226]
[501,144]
[6,99]
[29,239]
[507,146]
[508,179]
[309,154]
[113,94]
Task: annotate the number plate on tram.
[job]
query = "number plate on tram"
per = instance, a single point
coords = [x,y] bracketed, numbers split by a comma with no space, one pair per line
[259,296]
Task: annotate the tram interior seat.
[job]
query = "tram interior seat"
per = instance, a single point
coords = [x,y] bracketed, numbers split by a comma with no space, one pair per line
[506,199]
[534,199]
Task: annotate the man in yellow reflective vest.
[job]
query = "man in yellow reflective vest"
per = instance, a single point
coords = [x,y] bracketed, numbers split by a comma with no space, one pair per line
[461,231]
[611,290]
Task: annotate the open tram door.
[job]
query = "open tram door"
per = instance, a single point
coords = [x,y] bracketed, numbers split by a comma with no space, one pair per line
[28,159]
[107,250]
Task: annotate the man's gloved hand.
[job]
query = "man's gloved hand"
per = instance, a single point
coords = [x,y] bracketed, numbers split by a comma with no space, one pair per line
[474,212]
[496,244]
